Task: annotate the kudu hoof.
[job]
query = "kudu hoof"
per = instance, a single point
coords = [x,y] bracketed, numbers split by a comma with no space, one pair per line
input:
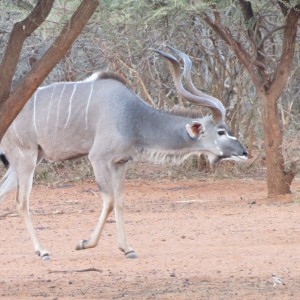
[43,256]
[46,257]
[131,254]
[80,244]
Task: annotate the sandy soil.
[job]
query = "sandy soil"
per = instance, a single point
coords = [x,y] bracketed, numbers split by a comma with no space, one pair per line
[207,239]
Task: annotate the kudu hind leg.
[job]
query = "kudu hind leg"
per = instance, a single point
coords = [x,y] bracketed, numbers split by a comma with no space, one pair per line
[25,179]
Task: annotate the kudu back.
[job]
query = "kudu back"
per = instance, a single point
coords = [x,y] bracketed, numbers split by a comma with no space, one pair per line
[102,118]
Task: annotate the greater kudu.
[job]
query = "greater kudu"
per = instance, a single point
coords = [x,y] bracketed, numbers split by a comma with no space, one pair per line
[102,118]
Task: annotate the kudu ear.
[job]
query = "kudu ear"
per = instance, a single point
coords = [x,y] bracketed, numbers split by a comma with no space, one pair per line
[194,130]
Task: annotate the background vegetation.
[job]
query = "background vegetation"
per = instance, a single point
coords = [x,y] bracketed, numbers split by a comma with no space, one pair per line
[119,37]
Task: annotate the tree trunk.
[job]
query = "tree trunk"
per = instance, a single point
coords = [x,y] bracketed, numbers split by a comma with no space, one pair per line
[269,88]
[278,180]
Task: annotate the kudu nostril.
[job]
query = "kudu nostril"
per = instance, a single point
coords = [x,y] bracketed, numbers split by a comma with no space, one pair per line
[245,153]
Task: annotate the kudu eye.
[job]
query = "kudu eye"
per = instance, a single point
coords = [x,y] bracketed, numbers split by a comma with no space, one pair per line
[221,132]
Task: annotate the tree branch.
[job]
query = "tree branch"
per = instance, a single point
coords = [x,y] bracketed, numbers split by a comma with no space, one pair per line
[283,7]
[21,30]
[24,5]
[288,48]
[238,49]
[286,6]
[248,15]
[26,87]
[268,35]
[253,25]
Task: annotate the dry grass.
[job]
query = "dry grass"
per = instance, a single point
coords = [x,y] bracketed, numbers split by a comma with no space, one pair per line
[79,169]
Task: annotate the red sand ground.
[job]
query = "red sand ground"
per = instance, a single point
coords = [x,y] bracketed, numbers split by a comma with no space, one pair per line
[207,239]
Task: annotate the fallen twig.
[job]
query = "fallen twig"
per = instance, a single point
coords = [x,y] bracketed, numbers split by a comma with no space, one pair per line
[6,215]
[76,271]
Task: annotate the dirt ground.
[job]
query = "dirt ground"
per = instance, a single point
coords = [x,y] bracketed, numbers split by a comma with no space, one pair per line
[204,239]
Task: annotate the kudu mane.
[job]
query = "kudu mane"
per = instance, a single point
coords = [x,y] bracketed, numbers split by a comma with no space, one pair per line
[112,75]
[178,111]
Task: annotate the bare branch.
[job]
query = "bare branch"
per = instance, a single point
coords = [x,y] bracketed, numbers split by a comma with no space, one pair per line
[288,48]
[268,35]
[140,80]
[24,4]
[248,14]
[286,6]
[19,33]
[240,52]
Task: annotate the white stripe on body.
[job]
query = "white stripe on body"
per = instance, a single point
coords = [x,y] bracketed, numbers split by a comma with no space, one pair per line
[18,138]
[34,109]
[16,132]
[70,105]
[20,151]
[58,106]
[88,104]
[50,103]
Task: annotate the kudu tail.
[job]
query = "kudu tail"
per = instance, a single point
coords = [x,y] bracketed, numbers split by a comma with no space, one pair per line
[9,181]
[4,160]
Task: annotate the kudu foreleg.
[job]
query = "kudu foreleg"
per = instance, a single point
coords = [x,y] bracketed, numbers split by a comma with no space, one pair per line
[122,242]
[110,180]
[94,238]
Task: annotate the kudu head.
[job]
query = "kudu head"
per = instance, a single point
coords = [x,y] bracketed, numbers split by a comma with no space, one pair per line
[219,142]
